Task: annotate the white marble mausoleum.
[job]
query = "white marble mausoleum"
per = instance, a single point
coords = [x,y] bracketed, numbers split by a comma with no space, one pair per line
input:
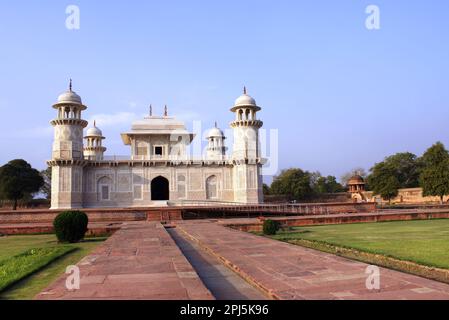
[158,170]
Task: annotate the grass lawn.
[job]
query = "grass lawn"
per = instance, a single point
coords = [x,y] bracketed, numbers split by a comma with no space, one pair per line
[20,266]
[28,287]
[425,242]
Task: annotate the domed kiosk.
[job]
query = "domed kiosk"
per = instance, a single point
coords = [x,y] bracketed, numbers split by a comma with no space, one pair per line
[93,149]
[356,186]
[216,149]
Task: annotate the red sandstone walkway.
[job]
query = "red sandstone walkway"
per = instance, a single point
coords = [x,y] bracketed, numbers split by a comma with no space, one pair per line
[287,271]
[140,261]
[222,282]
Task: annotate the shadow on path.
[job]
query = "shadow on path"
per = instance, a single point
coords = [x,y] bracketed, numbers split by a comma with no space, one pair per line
[223,283]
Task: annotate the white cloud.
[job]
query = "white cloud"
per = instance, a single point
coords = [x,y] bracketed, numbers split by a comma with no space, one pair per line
[132,104]
[188,116]
[116,119]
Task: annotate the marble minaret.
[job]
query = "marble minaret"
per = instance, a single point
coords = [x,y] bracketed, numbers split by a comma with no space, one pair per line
[246,153]
[67,155]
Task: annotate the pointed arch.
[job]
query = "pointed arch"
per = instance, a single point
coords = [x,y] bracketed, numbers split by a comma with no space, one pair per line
[211,187]
[160,189]
[240,114]
[104,188]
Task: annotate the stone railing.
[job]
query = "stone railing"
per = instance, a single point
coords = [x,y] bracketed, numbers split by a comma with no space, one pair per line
[287,208]
[203,203]
[163,158]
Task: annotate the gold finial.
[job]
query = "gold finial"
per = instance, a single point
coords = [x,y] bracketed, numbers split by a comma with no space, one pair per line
[95,123]
[244,89]
[70,84]
[165,111]
[151,110]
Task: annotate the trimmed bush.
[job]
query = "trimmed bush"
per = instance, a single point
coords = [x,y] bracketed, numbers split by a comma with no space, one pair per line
[70,226]
[270,227]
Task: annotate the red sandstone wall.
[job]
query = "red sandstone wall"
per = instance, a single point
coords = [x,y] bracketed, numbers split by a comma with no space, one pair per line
[375,217]
[164,215]
[351,207]
[47,229]
[169,213]
[47,216]
[329,208]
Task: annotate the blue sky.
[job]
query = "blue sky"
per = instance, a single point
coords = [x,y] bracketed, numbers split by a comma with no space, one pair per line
[342,96]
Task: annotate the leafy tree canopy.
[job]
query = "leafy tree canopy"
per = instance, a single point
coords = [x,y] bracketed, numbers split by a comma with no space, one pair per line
[383,181]
[46,187]
[406,167]
[400,170]
[294,183]
[18,179]
[266,189]
[301,185]
[434,176]
[327,184]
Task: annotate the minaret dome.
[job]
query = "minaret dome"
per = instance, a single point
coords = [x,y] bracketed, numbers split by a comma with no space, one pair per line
[216,149]
[93,149]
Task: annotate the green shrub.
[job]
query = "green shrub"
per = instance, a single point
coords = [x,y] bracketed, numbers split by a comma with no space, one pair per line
[270,227]
[70,226]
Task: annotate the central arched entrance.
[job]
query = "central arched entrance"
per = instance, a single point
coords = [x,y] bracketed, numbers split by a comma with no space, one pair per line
[160,189]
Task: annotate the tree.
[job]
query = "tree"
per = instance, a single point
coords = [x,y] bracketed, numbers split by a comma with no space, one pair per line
[266,189]
[406,167]
[294,183]
[46,187]
[314,178]
[327,184]
[383,181]
[18,179]
[320,185]
[400,170]
[354,172]
[434,177]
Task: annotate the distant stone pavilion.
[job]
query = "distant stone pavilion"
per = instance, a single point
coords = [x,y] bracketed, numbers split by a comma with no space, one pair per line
[158,169]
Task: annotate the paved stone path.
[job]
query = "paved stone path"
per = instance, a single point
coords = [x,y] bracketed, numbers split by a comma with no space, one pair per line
[222,282]
[286,271]
[140,261]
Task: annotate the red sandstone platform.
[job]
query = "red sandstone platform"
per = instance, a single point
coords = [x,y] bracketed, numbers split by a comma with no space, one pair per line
[107,220]
[255,224]
[140,261]
[286,271]
[178,212]
[93,229]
